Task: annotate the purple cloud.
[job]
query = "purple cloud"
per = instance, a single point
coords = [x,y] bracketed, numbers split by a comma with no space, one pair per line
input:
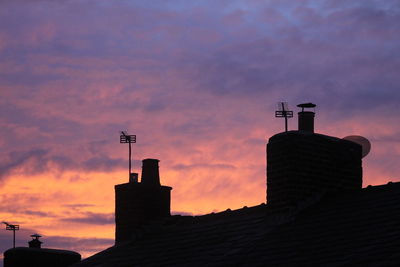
[37,161]
[92,218]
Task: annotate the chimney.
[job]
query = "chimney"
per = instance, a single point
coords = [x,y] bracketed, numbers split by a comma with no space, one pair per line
[301,164]
[150,173]
[137,203]
[133,177]
[306,118]
[35,242]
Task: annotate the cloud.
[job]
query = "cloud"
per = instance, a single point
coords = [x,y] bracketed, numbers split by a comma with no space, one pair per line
[336,56]
[92,218]
[85,246]
[203,166]
[103,164]
[77,206]
[182,213]
[33,161]
[38,161]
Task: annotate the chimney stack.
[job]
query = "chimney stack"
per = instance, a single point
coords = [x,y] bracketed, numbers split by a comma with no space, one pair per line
[138,203]
[301,164]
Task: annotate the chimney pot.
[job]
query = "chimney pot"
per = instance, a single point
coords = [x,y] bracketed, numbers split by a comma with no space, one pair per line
[306,118]
[150,172]
[306,121]
[133,177]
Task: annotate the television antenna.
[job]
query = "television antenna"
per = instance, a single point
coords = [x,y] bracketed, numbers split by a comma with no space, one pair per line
[284,112]
[12,227]
[125,138]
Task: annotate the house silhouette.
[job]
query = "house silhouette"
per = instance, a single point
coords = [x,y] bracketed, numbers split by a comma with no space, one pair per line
[36,256]
[317,214]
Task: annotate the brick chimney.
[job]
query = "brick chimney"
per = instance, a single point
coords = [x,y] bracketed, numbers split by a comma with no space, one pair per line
[302,163]
[137,203]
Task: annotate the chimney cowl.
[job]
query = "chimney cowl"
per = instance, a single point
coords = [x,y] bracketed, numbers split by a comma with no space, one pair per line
[35,242]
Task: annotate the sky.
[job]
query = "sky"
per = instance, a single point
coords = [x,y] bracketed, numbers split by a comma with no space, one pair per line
[197,82]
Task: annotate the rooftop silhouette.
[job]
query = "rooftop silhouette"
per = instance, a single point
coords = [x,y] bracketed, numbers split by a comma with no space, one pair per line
[36,256]
[316,214]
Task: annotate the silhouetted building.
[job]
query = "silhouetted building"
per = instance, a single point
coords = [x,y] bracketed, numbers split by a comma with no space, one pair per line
[316,214]
[35,256]
[138,203]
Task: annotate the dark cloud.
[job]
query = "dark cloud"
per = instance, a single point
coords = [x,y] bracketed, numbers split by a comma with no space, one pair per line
[344,56]
[37,161]
[78,205]
[201,166]
[182,213]
[341,52]
[34,162]
[81,245]
[388,138]
[35,213]
[103,164]
[92,218]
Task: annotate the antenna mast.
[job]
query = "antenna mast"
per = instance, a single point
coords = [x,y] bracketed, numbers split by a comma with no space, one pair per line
[12,227]
[284,112]
[126,138]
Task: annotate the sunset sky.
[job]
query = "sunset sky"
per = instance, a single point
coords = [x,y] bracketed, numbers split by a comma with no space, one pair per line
[198,83]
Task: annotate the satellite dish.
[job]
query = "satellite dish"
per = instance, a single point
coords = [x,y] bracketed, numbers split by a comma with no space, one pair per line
[362,141]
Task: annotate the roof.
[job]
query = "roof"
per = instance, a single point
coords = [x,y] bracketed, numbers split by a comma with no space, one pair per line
[42,250]
[358,228]
[31,256]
